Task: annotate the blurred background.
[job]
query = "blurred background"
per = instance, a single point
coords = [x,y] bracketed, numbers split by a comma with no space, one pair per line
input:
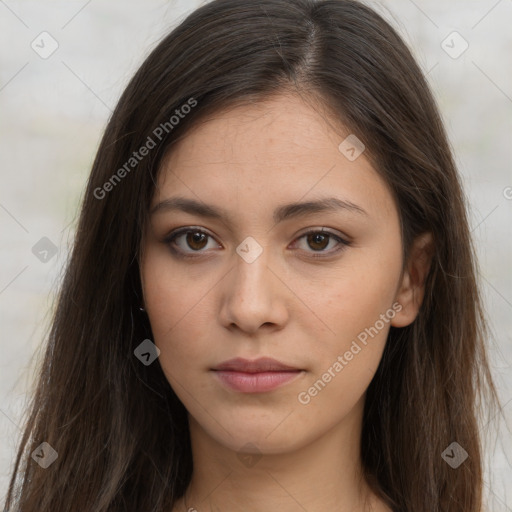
[64,64]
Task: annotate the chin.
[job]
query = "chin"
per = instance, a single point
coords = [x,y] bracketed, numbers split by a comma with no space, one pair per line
[259,438]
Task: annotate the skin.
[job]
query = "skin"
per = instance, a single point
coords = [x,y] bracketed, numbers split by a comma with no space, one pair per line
[286,304]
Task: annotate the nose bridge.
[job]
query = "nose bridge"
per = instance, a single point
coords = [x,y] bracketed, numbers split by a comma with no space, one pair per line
[250,278]
[250,295]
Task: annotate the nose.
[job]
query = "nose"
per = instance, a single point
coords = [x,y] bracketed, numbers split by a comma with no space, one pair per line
[253,296]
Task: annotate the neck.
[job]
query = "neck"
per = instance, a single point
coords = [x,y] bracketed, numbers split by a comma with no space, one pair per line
[317,475]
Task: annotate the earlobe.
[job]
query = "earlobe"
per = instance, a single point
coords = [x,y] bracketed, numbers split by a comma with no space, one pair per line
[412,287]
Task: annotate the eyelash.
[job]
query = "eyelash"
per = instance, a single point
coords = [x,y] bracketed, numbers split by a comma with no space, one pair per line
[169,240]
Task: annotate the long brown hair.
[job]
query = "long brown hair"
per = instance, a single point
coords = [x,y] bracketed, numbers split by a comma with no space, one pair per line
[120,432]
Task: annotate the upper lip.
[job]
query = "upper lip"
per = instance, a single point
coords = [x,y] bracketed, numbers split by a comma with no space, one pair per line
[263,364]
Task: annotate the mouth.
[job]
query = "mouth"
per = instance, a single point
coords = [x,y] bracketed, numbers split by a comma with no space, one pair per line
[258,376]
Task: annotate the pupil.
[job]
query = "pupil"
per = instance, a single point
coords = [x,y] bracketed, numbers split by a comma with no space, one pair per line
[197,237]
[318,238]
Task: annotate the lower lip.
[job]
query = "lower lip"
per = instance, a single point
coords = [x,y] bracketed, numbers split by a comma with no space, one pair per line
[255,382]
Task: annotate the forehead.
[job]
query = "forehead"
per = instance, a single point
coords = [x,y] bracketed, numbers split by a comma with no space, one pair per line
[273,151]
[256,132]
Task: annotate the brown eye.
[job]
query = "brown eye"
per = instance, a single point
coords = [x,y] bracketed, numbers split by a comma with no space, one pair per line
[185,242]
[196,239]
[318,241]
[189,243]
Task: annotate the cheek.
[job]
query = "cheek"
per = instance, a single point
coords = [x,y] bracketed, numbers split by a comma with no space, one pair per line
[344,363]
[359,294]
[358,309]
[178,304]
[172,292]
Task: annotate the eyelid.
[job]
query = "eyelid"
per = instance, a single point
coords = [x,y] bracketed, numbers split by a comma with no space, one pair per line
[329,231]
[168,240]
[343,242]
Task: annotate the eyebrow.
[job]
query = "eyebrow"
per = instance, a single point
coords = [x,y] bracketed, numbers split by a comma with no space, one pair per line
[281,213]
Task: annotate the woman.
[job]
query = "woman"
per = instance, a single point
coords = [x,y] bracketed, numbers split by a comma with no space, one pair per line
[271,302]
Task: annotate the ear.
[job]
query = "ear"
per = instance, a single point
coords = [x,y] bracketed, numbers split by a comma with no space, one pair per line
[412,287]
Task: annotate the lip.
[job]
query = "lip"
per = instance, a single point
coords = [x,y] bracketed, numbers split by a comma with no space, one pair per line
[262,364]
[258,376]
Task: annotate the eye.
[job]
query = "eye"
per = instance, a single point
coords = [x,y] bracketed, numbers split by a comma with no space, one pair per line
[195,239]
[318,240]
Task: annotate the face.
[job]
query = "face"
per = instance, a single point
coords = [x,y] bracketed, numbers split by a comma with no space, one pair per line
[246,276]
